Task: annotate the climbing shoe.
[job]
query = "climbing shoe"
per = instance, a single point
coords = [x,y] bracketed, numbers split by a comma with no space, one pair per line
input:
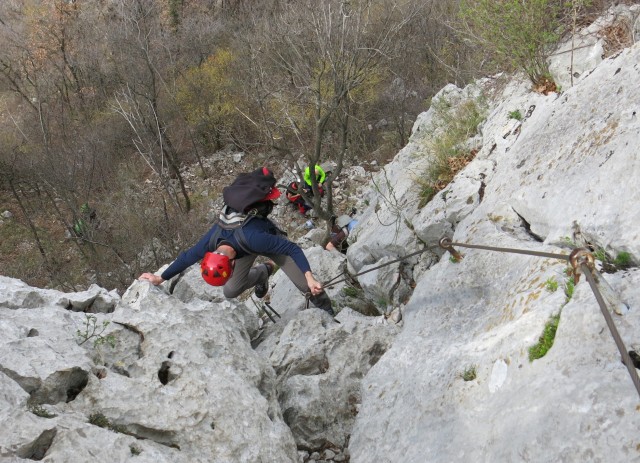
[329,310]
[322,302]
[262,288]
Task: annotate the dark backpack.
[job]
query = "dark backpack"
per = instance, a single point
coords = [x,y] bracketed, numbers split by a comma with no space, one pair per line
[244,201]
[248,189]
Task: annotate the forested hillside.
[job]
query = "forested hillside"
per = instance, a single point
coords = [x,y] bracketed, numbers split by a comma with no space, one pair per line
[120,118]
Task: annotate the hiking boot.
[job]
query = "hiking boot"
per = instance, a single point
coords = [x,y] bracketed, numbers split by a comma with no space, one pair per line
[329,310]
[323,302]
[262,288]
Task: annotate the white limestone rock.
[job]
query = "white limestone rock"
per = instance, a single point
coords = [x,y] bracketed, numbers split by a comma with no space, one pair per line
[569,171]
[319,366]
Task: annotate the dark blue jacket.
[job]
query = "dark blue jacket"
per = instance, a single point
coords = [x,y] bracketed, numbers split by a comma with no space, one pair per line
[261,235]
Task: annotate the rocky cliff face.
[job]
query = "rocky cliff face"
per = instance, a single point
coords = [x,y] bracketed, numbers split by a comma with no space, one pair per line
[178,373]
[563,176]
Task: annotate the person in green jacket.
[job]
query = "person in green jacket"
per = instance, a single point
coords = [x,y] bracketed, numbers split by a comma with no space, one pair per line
[320,178]
[87,221]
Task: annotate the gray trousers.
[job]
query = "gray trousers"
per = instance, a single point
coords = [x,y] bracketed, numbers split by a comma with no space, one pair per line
[246,276]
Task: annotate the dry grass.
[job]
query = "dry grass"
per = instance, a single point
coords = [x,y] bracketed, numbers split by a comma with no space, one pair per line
[616,37]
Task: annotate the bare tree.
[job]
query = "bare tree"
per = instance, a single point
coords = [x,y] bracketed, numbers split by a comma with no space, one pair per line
[315,62]
[89,83]
[142,39]
[149,144]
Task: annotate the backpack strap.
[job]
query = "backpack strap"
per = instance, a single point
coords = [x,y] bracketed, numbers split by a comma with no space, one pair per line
[240,237]
[230,219]
[213,241]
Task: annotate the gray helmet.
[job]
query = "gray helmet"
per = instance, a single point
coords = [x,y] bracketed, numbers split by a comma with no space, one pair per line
[343,221]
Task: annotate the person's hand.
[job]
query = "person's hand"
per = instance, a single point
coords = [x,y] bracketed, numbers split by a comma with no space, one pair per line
[155,280]
[314,285]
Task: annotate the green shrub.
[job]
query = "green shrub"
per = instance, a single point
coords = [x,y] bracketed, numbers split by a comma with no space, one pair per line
[600,254]
[350,291]
[427,193]
[551,284]
[98,419]
[470,373]
[40,411]
[623,260]
[457,124]
[545,342]
[91,330]
[515,115]
[569,288]
[518,34]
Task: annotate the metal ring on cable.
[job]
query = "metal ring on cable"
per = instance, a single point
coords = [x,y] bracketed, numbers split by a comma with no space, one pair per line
[445,242]
[578,257]
[581,256]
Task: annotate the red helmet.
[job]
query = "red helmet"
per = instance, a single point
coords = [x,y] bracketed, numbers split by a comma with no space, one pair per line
[216,268]
[273,193]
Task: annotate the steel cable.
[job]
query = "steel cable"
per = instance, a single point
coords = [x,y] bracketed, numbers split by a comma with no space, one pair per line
[578,259]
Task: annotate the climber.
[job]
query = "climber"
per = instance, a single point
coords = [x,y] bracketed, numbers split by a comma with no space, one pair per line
[87,220]
[340,230]
[320,178]
[243,232]
[296,199]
